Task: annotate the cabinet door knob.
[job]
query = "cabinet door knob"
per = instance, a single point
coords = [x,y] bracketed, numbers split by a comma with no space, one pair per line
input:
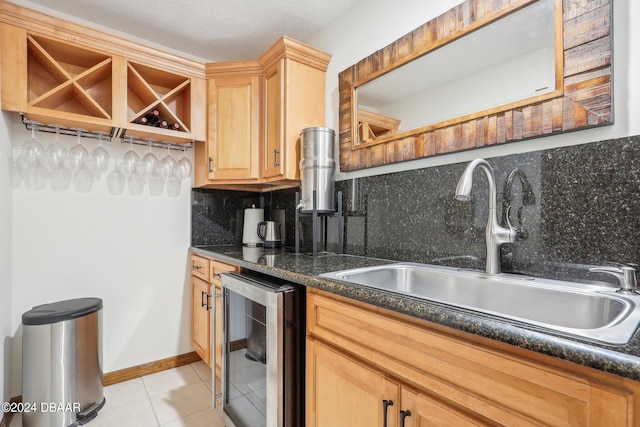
[403,415]
[276,153]
[385,404]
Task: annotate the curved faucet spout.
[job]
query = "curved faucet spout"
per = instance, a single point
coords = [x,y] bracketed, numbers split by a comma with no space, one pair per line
[495,234]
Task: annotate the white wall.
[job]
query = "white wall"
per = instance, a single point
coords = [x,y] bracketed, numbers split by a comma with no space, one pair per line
[373,24]
[5,262]
[129,251]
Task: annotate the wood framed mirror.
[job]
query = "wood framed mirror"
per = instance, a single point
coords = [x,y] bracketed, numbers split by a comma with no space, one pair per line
[562,64]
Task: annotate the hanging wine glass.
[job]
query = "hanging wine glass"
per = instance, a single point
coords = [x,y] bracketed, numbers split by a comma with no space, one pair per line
[149,161]
[184,165]
[78,155]
[32,150]
[56,153]
[99,159]
[167,164]
[60,179]
[17,171]
[136,182]
[34,178]
[116,181]
[130,159]
[174,182]
[59,175]
[156,181]
[33,155]
[83,180]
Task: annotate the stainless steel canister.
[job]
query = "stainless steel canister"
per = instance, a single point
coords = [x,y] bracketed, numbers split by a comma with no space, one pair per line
[317,169]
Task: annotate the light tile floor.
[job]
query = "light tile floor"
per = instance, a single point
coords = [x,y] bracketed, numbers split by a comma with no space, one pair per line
[179,397]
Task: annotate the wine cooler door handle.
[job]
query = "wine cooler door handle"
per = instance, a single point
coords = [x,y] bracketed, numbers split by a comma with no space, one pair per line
[385,404]
[214,338]
[403,415]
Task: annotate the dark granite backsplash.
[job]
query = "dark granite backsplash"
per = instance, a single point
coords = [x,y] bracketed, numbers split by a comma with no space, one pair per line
[217,216]
[583,209]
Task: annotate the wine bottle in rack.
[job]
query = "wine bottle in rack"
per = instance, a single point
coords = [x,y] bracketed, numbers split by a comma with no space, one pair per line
[162,124]
[142,120]
[175,126]
[153,117]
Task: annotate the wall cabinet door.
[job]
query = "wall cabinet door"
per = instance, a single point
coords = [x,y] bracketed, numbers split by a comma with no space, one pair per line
[233,128]
[273,101]
[293,99]
[201,319]
[343,392]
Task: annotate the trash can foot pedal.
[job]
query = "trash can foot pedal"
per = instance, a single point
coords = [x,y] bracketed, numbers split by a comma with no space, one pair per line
[89,413]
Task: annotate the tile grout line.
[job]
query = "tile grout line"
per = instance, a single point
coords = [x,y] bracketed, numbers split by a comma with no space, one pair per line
[146,390]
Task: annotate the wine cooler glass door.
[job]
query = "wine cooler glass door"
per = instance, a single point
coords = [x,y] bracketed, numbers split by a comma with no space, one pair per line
[252,354]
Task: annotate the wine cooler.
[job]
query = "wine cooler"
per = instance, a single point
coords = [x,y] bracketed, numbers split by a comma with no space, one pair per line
[263,352]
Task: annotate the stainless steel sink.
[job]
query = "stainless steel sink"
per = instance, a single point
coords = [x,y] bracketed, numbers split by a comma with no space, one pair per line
[589,311]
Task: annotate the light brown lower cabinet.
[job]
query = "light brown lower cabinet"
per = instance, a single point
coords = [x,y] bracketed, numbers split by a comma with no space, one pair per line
[360,358]
[206,292]
[346,392]
[201,319]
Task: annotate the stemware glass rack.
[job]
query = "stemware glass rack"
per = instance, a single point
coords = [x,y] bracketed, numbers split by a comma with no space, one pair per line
[114,133]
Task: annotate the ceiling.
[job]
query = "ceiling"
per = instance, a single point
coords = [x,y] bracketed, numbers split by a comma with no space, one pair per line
[211,30]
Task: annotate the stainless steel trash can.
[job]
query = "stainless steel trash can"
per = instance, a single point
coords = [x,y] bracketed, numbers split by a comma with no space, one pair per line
[62,363]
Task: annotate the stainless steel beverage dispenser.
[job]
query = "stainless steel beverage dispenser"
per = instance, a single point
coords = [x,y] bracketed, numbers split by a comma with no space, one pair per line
[317,198]
[317,169]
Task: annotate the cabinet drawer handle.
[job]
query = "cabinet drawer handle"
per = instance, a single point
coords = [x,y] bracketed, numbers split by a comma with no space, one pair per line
[217,275]
[276,153]
[202,301]
[385,405]
[196,267]
[403,415]
[210,162]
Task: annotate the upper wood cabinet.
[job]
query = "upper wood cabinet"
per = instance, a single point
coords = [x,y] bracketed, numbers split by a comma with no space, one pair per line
[56,82]
[288,96]
[232,145]
[250,113]
[180,101]
[293,98]
[66,74]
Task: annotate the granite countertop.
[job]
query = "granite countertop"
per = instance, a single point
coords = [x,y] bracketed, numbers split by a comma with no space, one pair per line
[305,269]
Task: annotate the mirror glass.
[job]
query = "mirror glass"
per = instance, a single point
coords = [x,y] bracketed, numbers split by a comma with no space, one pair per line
[508,61]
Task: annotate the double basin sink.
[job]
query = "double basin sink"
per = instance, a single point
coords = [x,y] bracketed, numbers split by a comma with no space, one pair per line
[591,312]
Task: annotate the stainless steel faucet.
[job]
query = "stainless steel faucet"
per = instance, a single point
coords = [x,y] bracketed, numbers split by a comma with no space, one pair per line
[495,234]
